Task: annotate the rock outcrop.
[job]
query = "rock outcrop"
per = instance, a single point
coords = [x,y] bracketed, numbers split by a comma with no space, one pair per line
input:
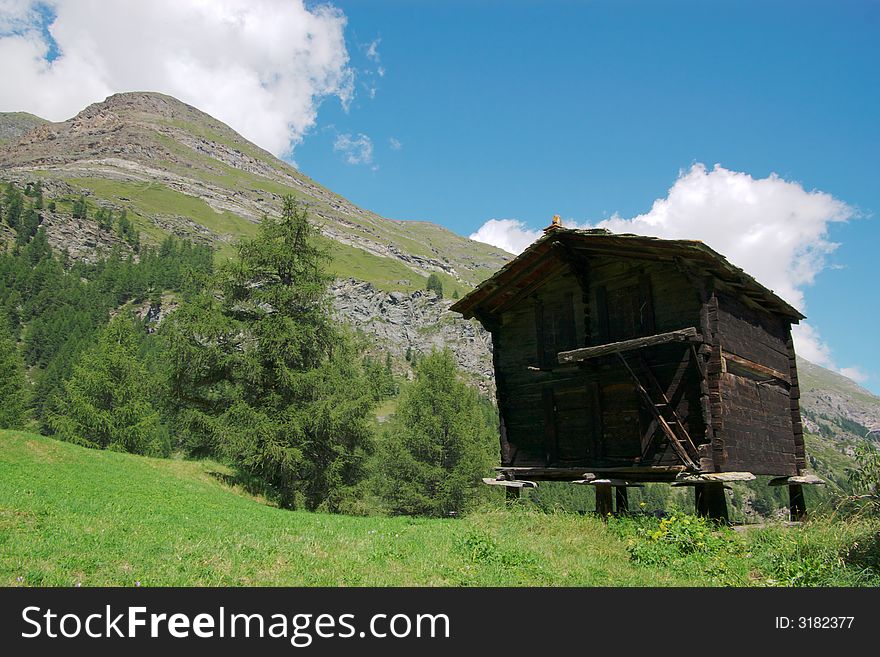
[417,321]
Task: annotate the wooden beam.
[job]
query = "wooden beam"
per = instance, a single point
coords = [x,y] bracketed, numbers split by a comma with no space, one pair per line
[604,504]
[579,355]
[710,502]
[621,500]
[750,366]
[797,504]
[607,481]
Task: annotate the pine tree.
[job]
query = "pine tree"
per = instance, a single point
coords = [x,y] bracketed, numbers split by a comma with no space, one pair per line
[80,209]
[262,375]
[435,284]
[13,386]
[13,204]
[106,402]
[438,446]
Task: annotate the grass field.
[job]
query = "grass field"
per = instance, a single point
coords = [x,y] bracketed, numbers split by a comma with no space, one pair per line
[70,515]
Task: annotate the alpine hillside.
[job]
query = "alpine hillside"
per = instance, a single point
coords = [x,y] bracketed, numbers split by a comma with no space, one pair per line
[176,170]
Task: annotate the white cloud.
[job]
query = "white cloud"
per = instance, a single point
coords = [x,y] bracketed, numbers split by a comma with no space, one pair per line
[395,144]
[262,66]
[357,150]
[774,229]
[855,373]
[511,235]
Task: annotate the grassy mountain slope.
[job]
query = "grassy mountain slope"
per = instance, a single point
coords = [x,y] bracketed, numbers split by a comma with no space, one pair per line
[71,515]
[178,170]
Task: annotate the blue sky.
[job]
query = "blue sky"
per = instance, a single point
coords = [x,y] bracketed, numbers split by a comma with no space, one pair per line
[521,110]
[489,117]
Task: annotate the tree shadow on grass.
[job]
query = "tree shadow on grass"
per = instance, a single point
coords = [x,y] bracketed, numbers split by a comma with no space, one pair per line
[250,484]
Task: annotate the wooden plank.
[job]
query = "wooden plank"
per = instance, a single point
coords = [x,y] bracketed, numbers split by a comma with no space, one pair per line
[608,481]
[657,473]
[550,447]
[602,310]
[578,355]
[646,304]
[539,333]
[752,367]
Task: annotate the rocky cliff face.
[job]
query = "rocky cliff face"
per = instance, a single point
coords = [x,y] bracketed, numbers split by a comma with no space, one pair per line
[418,322]
[827,397]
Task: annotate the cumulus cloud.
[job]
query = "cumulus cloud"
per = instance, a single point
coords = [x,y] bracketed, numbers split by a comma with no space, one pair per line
[262,66]
[773,228]
[512,235]
[356,150]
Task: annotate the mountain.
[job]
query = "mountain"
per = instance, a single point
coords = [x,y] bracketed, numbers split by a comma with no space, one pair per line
[15,124]
[178,170]
[827,396]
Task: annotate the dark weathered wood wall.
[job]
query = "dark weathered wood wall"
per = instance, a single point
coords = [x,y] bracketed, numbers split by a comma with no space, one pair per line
[755,416]
[591,415]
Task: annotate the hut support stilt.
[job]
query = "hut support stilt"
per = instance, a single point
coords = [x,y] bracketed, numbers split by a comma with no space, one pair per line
[603,500]
[621,499]
[710,502]
[796,503]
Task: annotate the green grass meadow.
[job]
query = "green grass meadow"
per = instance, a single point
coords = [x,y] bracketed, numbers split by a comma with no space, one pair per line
[75,516]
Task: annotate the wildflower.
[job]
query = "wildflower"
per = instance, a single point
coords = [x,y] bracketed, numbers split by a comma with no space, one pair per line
[19,579]
[137,583]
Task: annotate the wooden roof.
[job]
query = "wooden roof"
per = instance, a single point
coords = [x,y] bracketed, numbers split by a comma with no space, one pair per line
[550,254]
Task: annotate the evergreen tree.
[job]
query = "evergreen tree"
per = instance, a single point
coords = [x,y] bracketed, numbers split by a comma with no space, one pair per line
[80,209]
[261,374]
[28,226]
[435,284]
[439,444]
[106,402]
[13,386]
[104,218]
[13,206]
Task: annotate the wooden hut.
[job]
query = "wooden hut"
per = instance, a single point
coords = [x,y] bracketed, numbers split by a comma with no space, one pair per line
[622,359]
